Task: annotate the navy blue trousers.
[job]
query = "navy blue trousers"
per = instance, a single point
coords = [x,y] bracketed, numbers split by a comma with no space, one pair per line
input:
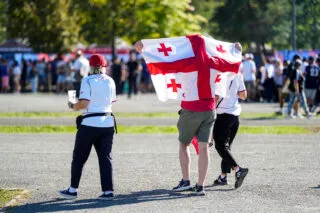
[102,140]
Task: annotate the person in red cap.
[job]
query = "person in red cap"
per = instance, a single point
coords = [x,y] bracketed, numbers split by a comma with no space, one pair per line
[96,127]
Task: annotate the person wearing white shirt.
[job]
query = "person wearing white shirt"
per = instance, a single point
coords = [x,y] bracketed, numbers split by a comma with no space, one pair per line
[97,94]
[80,69]
[268,81]
[225,130]
[248,69]
[16,76]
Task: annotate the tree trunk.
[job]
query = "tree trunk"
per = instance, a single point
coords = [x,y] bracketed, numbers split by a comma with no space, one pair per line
[261,53]
[114,29]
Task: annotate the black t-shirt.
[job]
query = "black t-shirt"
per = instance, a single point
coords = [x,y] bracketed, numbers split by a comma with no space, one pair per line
[312,77]
[116,72]
[285,72]
[295,75]
[132,67]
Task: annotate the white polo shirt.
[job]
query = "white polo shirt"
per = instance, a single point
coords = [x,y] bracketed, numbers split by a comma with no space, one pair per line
[248,67]
[100,90]
[230,104]
[82,64]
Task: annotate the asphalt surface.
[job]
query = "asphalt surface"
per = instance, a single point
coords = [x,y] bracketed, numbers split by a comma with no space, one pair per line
[140,103]
[284,174]
[315,121]
[284,169]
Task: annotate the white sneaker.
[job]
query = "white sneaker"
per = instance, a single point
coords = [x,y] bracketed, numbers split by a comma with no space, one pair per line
[290,116]
[300,116]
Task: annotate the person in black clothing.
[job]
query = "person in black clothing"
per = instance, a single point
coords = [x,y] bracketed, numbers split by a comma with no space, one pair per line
[286,82]
[133,69]
[296,88]
[312,75]
[317,99]
[226,128]
[116,74]
[24,75]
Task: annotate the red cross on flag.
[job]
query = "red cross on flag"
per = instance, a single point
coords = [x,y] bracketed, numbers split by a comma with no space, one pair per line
[186,67]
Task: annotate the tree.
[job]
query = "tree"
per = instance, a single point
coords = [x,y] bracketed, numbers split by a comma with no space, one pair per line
[308,24]
[258,21]
[3,7]
[207,9]
[103,20]
[49,26]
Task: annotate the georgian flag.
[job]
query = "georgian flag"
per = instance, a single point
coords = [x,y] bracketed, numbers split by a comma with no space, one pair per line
[188,67]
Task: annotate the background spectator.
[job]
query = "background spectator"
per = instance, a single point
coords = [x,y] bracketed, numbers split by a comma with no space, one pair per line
[248,69]
[16,77]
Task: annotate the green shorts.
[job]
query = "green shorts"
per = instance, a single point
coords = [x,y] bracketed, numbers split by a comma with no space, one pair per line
[198,124]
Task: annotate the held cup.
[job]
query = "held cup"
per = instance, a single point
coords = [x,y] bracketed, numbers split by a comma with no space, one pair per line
[72,96]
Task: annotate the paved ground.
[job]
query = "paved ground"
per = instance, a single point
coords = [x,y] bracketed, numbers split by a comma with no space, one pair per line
[284,170]
[284,175]
[157,121]
[141,103]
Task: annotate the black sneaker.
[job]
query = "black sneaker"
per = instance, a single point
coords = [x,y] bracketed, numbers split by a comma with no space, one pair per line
[220,181]
[104,196]
[184,185]
[240,175]
[67,194]
[199,190]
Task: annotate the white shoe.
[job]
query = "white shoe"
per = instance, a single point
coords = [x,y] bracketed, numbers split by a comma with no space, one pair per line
[300,116]
[290,116]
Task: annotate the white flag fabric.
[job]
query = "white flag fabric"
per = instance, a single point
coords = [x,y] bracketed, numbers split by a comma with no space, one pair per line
[188,67]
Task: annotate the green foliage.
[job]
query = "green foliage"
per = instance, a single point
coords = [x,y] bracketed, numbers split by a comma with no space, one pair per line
[269,21]
[207,9]
[49,26]
[2,21]
[253,20]
[56,25]
[308,24]
[7,195]
[136,19]
[160,129]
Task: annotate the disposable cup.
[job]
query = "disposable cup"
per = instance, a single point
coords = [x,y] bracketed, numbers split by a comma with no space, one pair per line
[72,96]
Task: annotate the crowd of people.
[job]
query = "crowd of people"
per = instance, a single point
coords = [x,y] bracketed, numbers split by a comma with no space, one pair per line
[60,75]
[295,82]
[277,81]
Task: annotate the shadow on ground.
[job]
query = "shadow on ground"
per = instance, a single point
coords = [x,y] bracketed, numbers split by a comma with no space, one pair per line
[59,204]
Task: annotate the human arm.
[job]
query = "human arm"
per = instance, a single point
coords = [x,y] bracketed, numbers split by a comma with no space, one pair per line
[296,86]
[84,97]
[242,92]
[81,104]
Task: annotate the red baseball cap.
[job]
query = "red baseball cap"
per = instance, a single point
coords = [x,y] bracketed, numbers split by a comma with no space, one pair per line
[97,60]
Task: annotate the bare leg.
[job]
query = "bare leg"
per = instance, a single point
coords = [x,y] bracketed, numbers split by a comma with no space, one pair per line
[184,157]
[203,162]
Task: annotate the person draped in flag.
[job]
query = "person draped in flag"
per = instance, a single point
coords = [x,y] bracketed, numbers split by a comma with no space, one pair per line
[226,128]
[186,67]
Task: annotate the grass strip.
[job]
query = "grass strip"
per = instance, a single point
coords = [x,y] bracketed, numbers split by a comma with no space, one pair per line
[125,114]
[160,129]
[7,195]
